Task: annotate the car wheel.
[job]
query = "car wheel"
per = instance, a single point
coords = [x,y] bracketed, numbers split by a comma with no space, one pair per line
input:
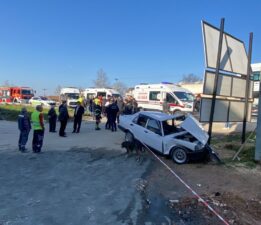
[179,155]
[129,137]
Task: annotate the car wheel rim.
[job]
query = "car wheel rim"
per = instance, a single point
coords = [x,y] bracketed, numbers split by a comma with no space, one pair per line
[179,156]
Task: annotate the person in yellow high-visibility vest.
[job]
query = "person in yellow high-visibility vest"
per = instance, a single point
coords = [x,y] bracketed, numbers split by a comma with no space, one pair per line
[80,99]
[97,101]
[38,128]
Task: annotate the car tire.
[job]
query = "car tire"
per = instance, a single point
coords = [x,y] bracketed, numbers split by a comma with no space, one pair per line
[179,155]
[129,137]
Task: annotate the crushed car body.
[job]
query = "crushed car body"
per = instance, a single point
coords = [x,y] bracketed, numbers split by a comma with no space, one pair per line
[177,136]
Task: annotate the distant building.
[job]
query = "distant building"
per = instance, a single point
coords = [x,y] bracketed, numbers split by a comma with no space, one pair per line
[256,71]
[196,88]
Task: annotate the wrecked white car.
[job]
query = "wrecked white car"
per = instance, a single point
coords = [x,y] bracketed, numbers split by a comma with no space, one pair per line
[177,136]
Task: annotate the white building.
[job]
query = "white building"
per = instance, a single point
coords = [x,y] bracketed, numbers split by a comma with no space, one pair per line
[256,71]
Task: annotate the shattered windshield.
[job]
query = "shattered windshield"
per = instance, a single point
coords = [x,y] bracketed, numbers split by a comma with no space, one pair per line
[169,127]
[172,126]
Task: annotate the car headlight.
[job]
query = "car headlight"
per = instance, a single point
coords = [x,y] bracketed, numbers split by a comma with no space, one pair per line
[188,106]
[199,146]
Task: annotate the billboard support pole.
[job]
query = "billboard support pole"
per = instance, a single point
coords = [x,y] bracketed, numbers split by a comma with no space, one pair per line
[216,80]
[243,138]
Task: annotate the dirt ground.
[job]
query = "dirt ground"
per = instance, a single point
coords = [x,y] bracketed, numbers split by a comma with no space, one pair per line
[86,178]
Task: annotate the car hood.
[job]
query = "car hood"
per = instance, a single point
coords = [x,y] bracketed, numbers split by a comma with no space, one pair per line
[191,125]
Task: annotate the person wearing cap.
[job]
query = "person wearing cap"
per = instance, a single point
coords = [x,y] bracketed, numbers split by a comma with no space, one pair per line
[63,118]
[78,113]
[38,127]
[24,126]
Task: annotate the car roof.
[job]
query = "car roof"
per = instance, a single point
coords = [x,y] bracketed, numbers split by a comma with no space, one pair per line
[159,115]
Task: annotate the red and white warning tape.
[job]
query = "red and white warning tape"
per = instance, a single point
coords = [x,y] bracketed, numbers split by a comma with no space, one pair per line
[188,187]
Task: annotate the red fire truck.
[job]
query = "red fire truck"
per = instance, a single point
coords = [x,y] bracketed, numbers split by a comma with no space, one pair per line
[16,94]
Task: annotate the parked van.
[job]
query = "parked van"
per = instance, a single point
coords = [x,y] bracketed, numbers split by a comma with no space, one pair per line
[152,96]
[104,92]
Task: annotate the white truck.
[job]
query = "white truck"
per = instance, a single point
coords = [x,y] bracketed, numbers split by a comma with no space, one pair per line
[104,92]
[71,95]
[152,97]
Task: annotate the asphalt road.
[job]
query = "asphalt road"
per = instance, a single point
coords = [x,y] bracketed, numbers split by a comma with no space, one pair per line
[86,178]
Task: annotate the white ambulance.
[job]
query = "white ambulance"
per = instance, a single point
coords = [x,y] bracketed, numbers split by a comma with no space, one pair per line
[152,96]
[104,92]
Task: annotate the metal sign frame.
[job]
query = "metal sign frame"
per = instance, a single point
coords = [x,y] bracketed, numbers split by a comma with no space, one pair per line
[232,82]
[225,35]
[244,66]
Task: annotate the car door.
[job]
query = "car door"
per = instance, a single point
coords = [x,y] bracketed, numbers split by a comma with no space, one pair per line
[153,134]
[138,126]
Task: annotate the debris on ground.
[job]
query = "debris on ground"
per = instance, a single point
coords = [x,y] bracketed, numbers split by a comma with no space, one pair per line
[233,208]
[141,185]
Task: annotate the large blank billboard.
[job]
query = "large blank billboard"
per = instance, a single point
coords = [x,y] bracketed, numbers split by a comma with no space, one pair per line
[233,55]
[225,110]
[228,85]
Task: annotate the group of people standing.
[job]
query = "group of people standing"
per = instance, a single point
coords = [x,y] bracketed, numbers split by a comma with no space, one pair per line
[111,108]
[37,120]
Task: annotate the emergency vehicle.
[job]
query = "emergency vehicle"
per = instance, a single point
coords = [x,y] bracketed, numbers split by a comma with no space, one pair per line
[104,92]
[152,97]
[71,95]
[16,94]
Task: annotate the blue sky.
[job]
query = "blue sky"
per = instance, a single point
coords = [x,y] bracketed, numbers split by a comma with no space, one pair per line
[45,43]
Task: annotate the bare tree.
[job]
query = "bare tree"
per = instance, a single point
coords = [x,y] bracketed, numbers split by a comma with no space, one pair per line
[58,90]
[101,80]
[120,87]
[190,78]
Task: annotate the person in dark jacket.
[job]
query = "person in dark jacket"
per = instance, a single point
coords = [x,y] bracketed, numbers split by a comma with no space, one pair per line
[63,118]
[78,113]
[113,111]
[52,119]
[24,126]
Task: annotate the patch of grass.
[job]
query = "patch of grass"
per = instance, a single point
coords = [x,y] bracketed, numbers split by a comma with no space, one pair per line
[232,143]
[11,112]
